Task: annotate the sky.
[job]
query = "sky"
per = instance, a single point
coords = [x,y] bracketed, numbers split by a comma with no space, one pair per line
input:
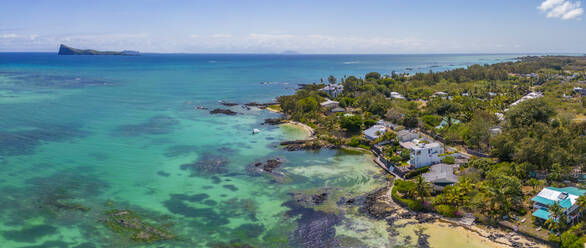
[304,26]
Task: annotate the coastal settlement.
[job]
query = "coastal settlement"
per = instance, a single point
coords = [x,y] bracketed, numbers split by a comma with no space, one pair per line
[503,145]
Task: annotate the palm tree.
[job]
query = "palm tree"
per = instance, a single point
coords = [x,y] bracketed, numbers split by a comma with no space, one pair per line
[554,220]
[581,202]
[422,188]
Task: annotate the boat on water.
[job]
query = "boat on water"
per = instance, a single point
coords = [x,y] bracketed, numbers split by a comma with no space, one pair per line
[255,131]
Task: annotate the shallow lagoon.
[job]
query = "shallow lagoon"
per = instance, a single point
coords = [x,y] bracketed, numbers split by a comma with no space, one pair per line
[81,136]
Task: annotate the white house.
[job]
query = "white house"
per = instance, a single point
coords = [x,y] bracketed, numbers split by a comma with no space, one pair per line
[580,91]
[496,130]
[423,154]
[329,104]
[397,95]
[529,96]
[440,94]
[334,89]
[374,132]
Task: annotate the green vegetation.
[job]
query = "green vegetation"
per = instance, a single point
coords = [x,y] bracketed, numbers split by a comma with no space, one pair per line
[535,143]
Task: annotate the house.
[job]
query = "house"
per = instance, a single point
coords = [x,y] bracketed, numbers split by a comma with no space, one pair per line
[374,132]
[445,122]
[396,95]
[329,104]
[500,116]
[334,89]
[338,110]
[565,197]
[423,153]
[407,135]
[580,91]
[529,96]
[441,175]
[440,94]
[496,130]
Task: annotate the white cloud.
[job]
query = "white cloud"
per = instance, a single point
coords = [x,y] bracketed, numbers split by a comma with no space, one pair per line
[562,9]
[270,42]
[8,36]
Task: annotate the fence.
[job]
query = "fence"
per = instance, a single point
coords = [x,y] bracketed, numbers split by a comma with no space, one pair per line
[391,166]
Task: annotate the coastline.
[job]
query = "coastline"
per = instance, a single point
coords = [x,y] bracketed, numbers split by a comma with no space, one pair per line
[476,232]
[307,129]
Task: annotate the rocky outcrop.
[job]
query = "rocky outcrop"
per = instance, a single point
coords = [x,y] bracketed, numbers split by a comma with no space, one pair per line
[258,105]
[315,229]
[223,111]
[300,145]
[310,200]
[273,121]
[376,204]
[66,50]
[128,223]
[228,104]
[268,166]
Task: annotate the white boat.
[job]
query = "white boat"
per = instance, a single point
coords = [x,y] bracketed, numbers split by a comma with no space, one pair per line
[255,131]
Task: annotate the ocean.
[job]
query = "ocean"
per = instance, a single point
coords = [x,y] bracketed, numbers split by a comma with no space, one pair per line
[82,137]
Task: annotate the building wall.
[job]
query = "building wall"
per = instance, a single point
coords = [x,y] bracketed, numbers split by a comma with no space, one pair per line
[425,156]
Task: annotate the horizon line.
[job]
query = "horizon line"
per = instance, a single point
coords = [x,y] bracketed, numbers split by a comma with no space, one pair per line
[298,53]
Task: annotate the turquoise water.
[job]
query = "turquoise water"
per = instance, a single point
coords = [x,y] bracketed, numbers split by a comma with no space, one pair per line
[116,132]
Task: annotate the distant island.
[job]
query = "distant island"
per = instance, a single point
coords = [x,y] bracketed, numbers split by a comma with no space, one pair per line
[66,50]
[289,52]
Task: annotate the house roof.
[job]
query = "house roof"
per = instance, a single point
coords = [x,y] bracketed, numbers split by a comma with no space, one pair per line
[565,197]
[371,132]
[441,173]
[328,102]
[541,213]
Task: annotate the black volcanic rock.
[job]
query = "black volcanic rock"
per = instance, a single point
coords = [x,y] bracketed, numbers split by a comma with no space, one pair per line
[65,50]
[223,111]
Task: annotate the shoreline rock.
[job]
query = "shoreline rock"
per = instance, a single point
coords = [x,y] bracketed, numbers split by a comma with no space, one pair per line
[304,145]
[310,200]
[376,204]
[273,121]
[258,105]
[228,104]
[223,111]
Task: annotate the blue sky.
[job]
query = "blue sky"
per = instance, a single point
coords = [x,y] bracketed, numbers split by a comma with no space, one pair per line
[246,26]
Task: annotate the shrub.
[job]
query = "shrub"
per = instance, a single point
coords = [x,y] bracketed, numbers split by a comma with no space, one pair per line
[351,123]
[416,172]
[431,120]
[446,210]
[411,204]
[395,159]
[448,160]
[404,186]
[372,75]
[354,141]
[369,123]
[554,239]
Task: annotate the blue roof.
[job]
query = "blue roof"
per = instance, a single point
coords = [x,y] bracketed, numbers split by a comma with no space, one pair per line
[543,201]
[541,213]
[565,203]
[569,190]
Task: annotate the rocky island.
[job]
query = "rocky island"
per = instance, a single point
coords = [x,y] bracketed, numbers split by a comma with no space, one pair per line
[66,50]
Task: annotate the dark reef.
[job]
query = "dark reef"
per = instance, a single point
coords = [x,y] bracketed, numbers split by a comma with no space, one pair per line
[160,124]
